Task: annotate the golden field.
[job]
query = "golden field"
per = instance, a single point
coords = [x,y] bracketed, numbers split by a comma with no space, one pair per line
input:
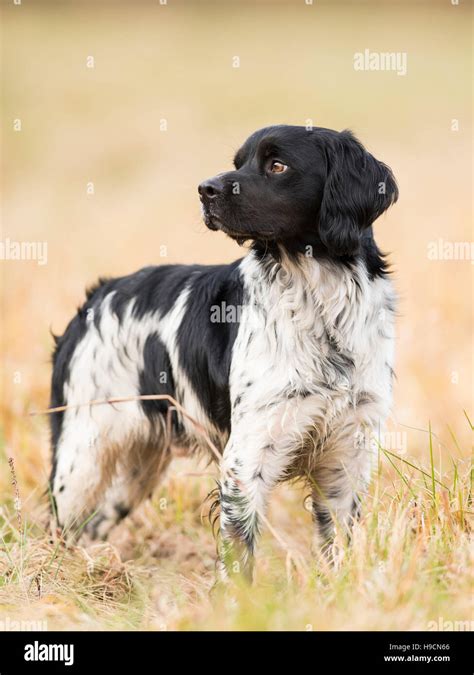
[161,109]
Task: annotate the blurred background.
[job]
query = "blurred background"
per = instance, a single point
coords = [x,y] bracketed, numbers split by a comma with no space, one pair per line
[114,112]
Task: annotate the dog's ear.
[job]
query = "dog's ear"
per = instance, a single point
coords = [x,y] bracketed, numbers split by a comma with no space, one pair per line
[357,191]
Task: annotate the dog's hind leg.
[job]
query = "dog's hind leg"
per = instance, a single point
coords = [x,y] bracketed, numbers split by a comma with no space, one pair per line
[105,461]
[83,468]
[138,471]
[105,456]
[339,479]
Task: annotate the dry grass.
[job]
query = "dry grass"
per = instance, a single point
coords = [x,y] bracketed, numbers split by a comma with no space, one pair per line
[409,563]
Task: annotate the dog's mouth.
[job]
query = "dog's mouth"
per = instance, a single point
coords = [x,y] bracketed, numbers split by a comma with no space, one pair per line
[215,223]
[212,221]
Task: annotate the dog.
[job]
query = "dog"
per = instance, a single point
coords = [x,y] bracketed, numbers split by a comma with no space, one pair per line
[282,359]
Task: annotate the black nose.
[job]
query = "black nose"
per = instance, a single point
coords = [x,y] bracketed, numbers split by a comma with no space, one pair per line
[211,188]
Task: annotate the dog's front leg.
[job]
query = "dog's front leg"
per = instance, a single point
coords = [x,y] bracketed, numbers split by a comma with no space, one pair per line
[257,456]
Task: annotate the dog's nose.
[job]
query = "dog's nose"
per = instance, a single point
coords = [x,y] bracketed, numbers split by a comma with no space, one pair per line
[211,188]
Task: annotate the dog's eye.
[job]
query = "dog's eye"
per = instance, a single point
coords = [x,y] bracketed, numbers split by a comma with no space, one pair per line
[278,167]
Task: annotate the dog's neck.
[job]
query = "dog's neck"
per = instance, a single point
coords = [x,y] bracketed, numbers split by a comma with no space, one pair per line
[294,281]
[311,248]
[319,277]
[309,295]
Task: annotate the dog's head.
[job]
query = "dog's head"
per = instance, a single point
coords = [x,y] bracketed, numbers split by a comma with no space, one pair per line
[294,184]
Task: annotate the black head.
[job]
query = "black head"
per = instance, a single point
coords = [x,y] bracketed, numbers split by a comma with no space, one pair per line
[298,187]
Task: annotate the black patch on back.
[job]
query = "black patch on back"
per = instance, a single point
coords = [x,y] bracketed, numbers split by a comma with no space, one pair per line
[152,289]
[159,287]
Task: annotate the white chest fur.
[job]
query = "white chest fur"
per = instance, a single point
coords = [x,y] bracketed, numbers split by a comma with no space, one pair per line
[315,329]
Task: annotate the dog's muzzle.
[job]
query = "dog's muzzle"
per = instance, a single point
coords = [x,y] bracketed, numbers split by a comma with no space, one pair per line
[209,192]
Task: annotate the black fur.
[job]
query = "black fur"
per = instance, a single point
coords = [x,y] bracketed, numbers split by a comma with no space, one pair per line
[205,347]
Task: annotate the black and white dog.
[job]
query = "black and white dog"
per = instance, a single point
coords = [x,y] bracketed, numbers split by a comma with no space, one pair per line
[284,357]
